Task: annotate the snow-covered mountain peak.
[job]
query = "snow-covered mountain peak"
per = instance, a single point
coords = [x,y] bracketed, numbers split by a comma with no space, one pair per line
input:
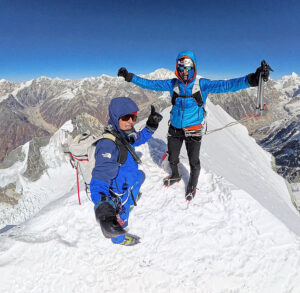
[59,79]
[14,88]
[107,77]
[289,84]
[291,76]
[160,73]
[43,77]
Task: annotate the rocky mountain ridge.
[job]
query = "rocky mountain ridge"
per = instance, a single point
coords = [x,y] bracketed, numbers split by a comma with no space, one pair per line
[37,108]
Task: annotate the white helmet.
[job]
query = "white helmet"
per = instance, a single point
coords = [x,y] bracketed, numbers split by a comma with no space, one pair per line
[185,62]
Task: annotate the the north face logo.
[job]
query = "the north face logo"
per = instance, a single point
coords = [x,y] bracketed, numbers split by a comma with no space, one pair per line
[106,155]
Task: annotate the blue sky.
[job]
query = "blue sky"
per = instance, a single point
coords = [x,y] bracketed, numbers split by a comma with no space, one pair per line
[74,39]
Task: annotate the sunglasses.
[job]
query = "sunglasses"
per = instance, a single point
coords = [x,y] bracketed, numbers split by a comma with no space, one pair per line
[128,116]
[187,68]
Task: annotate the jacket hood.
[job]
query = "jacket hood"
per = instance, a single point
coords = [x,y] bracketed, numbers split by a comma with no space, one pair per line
[119,107]
[191,55]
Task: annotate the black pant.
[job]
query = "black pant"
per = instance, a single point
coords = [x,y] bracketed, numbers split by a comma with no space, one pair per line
[175,139]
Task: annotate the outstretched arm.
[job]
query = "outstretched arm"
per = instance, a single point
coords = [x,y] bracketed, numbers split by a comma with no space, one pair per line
[156,85]
[236,84]
[224,86]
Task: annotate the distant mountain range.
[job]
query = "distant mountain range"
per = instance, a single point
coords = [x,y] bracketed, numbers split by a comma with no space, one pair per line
[37,108]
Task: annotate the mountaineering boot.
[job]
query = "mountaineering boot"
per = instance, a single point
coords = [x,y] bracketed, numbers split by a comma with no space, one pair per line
[191,187]
[170,180]
[175,177]
[130,240]
[190,194]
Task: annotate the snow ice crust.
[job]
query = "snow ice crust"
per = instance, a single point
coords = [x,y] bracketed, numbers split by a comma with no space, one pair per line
[239,234]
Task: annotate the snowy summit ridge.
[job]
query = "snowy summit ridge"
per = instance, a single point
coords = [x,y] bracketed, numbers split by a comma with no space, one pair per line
[240,233]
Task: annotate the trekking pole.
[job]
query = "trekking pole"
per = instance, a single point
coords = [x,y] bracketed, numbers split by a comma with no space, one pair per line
[259,95]
[263,77]
[262,97]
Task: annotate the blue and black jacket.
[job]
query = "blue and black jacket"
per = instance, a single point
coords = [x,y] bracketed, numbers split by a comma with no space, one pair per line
[185,111]
[108,176]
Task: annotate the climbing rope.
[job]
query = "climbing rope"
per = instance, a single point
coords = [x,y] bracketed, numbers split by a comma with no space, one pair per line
[246,118]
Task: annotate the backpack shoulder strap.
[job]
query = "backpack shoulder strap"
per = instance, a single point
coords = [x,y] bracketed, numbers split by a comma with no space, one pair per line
[109,136]
[196,86]
[123,152]
[196,93]
[122,142]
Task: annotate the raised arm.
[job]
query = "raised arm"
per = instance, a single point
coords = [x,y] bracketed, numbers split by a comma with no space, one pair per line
[151,125]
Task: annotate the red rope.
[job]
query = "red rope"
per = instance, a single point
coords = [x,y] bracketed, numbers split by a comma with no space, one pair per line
[78,183]
[77,158]
[77,176]
[248,116]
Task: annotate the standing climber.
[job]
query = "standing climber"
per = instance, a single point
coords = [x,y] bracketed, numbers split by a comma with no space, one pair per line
[189,96]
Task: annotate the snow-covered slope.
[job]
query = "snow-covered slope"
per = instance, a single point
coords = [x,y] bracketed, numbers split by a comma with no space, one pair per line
[54,183]
[277,125]
[239,234]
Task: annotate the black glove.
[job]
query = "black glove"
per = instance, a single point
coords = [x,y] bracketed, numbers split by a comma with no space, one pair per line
[264,69]
[153,119]
[127,75]
[107,217]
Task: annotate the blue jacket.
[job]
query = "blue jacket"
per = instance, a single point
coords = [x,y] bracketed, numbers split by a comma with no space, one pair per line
[186,111]
[108,175]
